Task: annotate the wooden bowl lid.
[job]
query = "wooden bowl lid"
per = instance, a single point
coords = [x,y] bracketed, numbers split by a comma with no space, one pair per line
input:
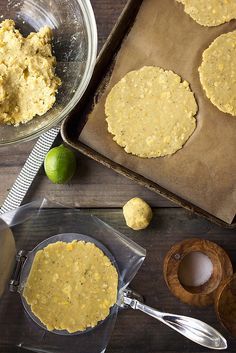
[225,304]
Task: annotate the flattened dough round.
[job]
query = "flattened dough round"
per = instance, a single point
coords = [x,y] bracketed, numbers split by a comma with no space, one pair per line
[218,72]
[71,286]
[210,12]
[151,112]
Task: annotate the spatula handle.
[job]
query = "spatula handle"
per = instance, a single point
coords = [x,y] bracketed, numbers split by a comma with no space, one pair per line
[195,330]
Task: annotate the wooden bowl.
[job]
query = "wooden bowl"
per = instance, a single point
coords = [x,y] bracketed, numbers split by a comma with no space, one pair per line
[225,304]
[205,294]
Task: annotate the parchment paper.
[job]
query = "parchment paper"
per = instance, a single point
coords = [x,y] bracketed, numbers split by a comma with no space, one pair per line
[204,170]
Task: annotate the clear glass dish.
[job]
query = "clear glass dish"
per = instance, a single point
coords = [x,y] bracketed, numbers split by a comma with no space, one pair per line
[75,48]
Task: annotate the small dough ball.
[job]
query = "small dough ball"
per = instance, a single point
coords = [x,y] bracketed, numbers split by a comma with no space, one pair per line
[137,213]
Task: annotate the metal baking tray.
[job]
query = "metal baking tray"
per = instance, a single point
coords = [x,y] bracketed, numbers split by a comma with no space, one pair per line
[73,124]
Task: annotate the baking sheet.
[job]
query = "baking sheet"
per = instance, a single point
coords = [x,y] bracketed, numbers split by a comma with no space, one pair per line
[204,171]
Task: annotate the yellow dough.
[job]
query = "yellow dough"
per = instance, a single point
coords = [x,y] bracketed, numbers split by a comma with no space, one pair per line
[151,112]
[28,83]
[218,72]
[210,12]
[137,213]
[71,286]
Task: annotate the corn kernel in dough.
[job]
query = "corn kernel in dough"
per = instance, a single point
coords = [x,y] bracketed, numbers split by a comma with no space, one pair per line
[151,112]
[28,83]
[210,12]
[137,213]
[71,286]
[218,72]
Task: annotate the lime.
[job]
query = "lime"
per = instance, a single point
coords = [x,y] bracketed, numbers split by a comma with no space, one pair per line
[60,164]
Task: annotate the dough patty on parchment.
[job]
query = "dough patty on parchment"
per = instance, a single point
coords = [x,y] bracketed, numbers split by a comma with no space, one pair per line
[28,84]
[210,12]
[71,286]
[218,72]
[151,112]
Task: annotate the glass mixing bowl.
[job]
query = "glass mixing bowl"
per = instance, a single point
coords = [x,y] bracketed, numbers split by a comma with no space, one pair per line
[75,48]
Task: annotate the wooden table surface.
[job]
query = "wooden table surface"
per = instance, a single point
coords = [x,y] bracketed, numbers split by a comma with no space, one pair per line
[99,190]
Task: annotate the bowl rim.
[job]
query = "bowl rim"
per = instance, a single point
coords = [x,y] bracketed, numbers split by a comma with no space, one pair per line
[91,27]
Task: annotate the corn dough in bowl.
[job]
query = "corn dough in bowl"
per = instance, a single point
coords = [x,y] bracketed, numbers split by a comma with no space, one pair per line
[28,84]
[218,72]
[71,286]
[210,12]
[151,112]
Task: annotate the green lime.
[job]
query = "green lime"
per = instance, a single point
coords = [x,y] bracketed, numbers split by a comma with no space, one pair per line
[60,164]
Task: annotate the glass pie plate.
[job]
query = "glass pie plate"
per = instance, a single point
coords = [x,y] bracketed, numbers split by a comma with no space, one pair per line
[75,48]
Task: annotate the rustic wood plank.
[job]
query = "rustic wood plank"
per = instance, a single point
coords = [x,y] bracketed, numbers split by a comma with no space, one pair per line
[95,186]
[135,332]
[92,186]
[106,13]
[87,188]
